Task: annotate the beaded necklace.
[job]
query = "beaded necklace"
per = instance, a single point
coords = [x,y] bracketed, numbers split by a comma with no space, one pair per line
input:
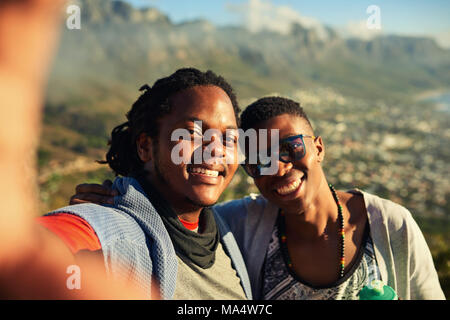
[283,238]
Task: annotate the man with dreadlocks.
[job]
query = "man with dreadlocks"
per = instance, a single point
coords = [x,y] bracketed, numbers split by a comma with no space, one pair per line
[160,228]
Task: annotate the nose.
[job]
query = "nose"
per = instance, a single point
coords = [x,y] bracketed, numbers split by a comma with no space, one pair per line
[283,168]
[213,151]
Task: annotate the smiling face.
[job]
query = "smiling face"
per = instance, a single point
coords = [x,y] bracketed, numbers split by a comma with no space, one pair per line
[295,186]
[188,186]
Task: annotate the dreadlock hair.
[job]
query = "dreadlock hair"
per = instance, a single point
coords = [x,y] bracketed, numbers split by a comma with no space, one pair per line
[143,117]
[268,108]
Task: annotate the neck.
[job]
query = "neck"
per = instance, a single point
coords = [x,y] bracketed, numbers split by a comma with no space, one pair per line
[188,215]
[184,208]
[311,223]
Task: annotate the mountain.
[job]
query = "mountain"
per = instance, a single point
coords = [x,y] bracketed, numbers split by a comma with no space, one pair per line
[121,47]
[98,70]
[107,11]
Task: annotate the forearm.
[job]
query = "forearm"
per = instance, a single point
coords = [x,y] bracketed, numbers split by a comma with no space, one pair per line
[28,35]
[33,262]
[18,139]
[43,272]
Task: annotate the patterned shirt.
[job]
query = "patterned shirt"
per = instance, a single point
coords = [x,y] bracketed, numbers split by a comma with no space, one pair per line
[280,283]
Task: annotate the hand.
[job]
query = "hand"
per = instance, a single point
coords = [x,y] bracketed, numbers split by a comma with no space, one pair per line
[94,193]
[33,262]
[28,35]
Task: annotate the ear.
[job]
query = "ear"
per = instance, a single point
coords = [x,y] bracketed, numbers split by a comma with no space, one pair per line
[144,147]
[320,148]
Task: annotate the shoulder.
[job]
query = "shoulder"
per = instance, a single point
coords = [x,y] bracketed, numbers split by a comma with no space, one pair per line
[74,231]
[238,204]
[109,223]
[240,208]
[98,214]
[387,214]
[249,218]
[354,202]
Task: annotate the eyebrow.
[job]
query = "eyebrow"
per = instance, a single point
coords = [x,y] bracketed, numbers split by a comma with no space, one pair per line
[193,119]
[291,134]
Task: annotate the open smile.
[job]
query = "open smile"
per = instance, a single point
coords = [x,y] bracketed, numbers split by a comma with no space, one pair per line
[206,174]
[204,171]
[289,188]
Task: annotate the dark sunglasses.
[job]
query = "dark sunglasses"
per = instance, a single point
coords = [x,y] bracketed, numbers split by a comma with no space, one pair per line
[291,149]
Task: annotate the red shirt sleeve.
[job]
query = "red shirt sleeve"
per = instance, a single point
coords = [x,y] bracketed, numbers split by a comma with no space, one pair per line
[74,231]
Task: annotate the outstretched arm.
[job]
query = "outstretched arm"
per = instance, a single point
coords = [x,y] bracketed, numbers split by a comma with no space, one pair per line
[33,262]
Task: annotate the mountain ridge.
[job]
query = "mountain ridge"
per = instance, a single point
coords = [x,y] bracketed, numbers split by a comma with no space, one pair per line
[98,69]
[132,39]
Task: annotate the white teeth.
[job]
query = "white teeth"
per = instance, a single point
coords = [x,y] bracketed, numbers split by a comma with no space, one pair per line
[290,187]
[211,173]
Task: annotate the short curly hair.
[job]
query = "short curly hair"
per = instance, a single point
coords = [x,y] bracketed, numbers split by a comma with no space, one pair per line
[269,107]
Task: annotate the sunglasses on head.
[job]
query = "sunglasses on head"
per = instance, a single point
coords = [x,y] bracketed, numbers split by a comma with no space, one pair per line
[290,149]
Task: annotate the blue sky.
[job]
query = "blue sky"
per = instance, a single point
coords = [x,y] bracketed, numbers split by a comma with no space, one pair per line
[411,17]
[403,16]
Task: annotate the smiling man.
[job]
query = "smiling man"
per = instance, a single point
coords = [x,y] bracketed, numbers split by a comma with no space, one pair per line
[160,228]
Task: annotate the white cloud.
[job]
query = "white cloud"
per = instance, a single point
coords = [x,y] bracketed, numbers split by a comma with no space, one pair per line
[359,29]
[443,39]
[260,15]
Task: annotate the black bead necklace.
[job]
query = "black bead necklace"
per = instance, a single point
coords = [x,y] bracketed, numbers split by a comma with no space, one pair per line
[283,239]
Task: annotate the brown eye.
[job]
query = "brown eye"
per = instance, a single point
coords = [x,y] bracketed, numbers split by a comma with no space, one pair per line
[194,132]
[230,141]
